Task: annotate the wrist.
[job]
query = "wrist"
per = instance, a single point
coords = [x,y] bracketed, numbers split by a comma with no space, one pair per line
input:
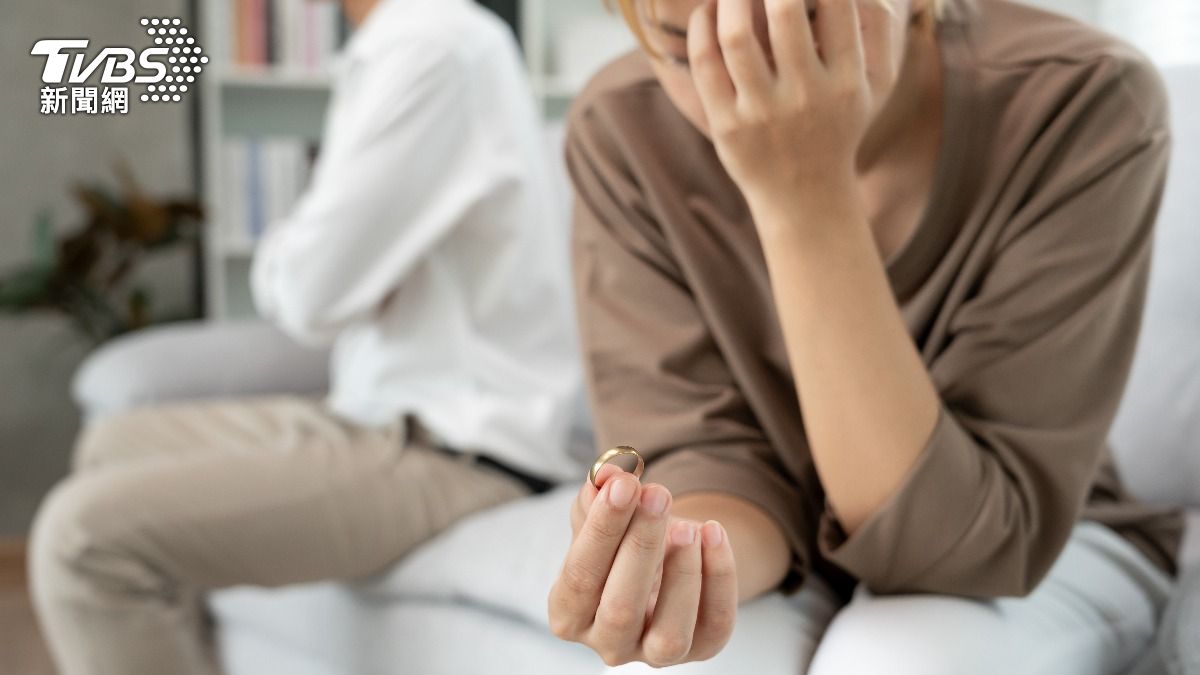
[816,208]
[816,188]
[760,547]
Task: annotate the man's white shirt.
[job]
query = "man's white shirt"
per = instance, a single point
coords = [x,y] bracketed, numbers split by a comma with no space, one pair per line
[429,250]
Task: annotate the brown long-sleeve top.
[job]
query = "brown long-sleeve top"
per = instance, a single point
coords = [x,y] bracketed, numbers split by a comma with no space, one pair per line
[1022,287]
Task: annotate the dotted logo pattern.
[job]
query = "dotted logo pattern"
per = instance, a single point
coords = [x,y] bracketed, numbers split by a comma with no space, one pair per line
[185,60]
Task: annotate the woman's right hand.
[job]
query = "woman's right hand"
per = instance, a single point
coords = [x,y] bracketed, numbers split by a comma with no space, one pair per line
[639,584]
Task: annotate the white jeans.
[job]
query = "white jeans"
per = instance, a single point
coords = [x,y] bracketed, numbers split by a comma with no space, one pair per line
[1094,614]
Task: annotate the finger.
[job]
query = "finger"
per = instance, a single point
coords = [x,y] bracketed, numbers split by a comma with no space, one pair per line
[791,36]
[707,66]
[668,640]
[838,32]
[881,27]
[655,586]
[718,593]
[620,618]
[743,55]
[587,494]
[580,506]
[576,592]
[604,473]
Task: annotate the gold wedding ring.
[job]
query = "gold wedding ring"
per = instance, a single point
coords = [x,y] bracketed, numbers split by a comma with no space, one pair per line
[613,453]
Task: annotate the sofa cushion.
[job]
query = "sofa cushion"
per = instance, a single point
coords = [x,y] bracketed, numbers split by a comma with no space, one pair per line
[472,600]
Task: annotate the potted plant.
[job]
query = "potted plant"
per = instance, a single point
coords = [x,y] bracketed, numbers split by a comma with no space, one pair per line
[86,275]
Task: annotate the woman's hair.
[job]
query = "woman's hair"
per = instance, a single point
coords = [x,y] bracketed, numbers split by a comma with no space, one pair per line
[629,11]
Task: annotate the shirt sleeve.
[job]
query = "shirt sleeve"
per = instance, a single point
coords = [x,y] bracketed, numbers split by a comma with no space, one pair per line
[399,167]
[1035,367]
[655,376]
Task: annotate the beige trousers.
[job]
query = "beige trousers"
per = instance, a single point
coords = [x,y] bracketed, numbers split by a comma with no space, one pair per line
[165,503]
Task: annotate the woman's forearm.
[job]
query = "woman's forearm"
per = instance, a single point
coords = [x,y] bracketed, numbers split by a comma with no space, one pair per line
[868,402]
[760,549]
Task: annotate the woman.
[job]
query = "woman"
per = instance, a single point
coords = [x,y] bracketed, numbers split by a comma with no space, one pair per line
[863,283]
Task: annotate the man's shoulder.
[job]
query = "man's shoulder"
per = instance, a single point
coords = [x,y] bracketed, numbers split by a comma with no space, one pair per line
[454,30]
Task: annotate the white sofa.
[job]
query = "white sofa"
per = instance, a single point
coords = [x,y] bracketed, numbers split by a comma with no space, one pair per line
[473,600]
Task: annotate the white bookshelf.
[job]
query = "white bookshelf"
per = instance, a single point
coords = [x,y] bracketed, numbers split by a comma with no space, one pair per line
[277,102]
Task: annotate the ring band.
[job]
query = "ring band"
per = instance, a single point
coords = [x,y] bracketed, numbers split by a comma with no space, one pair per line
[611,454]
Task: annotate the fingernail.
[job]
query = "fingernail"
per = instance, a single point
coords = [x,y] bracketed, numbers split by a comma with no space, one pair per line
[713,533]
[605,473]
[654,500]
[621,492]
[683,534]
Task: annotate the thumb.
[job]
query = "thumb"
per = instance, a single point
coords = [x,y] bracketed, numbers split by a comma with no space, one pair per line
[605,473]
[587,495]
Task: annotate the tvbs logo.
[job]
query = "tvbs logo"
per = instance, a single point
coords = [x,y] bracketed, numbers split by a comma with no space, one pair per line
[167,69]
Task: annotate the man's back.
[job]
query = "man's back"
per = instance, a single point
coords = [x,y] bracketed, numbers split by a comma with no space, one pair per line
[428,249]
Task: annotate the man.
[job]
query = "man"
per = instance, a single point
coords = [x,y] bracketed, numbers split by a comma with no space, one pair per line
[427,254]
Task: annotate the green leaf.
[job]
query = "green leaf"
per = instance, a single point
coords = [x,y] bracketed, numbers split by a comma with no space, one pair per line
[25,288]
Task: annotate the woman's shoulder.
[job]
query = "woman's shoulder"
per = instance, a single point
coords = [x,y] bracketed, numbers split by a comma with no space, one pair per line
[620,78]
[623,100]
[1055,56]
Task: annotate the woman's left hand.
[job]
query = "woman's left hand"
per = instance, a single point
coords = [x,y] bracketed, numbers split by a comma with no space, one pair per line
[793,118]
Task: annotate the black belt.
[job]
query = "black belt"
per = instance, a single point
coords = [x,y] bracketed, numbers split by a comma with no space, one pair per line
[536,485]
[417,433]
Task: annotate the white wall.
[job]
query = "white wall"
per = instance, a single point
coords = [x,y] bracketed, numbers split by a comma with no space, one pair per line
[1088,10]
[1166,30]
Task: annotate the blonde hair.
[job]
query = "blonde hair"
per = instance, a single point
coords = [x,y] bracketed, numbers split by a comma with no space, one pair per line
[629,12]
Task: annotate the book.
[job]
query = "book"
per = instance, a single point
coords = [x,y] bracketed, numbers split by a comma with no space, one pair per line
[298,35]
[261,181]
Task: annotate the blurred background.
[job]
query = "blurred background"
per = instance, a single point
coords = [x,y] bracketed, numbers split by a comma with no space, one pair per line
[188,186]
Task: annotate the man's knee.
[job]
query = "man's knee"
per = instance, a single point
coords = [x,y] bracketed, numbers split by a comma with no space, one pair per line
[85,533]
[907,635]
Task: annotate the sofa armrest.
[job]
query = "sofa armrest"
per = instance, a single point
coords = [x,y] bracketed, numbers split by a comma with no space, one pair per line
[196,360]
[1175,651]
[1177,642]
